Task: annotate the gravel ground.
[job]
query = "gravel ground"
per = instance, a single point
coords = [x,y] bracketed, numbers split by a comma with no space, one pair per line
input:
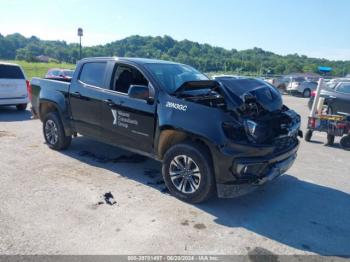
[53,202]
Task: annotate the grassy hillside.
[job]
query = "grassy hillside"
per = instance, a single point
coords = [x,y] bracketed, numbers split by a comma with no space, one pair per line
[32,69]
[204,57]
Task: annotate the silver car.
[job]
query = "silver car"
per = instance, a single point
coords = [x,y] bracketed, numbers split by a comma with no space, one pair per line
[304,88]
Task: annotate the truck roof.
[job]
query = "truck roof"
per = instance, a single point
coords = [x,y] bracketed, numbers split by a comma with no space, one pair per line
[129,59]
[10,64]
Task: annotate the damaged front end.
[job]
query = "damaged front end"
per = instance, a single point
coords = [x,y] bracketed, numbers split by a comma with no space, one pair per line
[262,133]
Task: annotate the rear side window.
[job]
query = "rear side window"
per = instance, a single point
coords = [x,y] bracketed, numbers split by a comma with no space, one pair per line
[93,74]
[11,72]
[344,88]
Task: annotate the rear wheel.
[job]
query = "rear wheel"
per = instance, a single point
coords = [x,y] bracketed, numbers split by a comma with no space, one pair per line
[21,107]
[282,88]
[54,132]
[310,103]
[188,172]
[308,135]
[330,110]
[345,142]
[330,140]
[307,92]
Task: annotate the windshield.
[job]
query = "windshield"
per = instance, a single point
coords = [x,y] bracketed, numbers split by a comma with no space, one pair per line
[172,76]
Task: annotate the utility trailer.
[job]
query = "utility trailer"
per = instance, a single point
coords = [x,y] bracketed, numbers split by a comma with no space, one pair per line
[334,125]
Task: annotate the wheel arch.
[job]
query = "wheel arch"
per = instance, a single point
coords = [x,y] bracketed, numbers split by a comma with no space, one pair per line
[48,106]
[169,136]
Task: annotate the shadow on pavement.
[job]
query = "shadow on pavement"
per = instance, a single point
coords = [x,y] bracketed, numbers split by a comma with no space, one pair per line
[296,213]
[11,114]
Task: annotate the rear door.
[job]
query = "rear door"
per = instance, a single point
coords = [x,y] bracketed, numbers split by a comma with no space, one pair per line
[126,121]
[12,82]
[85,98]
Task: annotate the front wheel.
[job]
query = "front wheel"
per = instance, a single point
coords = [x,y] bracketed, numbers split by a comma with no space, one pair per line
[330,140]
[54,132]
[308,135]
[345,142]
[188,172]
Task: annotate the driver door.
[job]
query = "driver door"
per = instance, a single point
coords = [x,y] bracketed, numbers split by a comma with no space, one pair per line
[127,122]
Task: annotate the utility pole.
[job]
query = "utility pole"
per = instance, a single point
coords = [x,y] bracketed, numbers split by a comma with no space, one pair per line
[80,34]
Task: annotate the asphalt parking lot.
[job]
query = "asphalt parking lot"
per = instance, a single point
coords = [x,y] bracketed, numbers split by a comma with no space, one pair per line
[51,202]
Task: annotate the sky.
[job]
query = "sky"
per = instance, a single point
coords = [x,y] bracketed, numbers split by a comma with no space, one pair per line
[316,28]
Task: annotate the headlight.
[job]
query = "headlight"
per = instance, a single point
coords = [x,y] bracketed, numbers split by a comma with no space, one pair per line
[256,132]
[234,131]
[250,127]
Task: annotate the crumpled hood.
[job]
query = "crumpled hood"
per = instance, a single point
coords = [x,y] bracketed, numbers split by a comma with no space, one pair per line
[237,92]
[242,90]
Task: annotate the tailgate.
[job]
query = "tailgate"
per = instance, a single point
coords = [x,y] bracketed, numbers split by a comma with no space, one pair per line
[13,88]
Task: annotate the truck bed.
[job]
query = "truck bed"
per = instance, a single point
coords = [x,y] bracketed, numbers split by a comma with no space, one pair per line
[39,85]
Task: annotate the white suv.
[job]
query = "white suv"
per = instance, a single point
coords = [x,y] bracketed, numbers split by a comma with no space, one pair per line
[14,87]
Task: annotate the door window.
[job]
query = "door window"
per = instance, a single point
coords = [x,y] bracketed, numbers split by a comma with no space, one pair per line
[344,88]
[93,74]
[125,76]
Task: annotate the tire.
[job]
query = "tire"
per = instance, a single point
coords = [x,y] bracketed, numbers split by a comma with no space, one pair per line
[195,187]
[345,142]
[54,132]
[308,135]
[21,107]
[330,140]
[307,93]
[310,103]
[282,88]
[330,110]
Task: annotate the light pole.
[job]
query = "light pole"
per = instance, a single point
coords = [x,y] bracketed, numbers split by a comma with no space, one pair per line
[80,34]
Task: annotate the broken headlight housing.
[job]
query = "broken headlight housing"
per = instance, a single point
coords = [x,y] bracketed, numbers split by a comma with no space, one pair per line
[256,132]
[234,131]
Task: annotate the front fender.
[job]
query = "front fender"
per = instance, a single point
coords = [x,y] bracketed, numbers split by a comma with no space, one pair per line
[194,118]
[197,121]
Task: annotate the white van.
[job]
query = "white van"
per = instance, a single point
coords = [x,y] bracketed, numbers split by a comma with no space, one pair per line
[14,87]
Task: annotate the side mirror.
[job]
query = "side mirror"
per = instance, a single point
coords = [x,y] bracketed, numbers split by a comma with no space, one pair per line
[140,92]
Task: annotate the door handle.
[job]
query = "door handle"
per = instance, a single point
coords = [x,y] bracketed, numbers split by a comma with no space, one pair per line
[109,102]
[77,94]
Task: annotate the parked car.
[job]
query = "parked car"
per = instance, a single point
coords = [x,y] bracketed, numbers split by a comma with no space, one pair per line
[282,82]
[337,98]
[333,82]
[56,73]
[301,87]
[13,86]
[226,137]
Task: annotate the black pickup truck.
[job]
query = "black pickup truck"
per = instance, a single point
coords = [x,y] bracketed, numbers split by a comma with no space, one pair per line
[227,137]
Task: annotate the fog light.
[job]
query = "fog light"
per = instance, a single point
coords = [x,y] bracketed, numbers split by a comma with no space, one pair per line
[249,169]
[241,169]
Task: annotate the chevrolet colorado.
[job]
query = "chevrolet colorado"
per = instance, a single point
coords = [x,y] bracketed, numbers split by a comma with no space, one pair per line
[226,137]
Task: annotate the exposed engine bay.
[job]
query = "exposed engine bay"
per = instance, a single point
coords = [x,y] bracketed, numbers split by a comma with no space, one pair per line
[258,113]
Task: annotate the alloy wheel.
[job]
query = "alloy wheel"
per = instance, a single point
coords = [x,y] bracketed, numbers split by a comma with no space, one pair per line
[51,132]
[185,174]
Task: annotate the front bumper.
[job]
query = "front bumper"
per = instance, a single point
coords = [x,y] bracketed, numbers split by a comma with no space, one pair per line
[251,172]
